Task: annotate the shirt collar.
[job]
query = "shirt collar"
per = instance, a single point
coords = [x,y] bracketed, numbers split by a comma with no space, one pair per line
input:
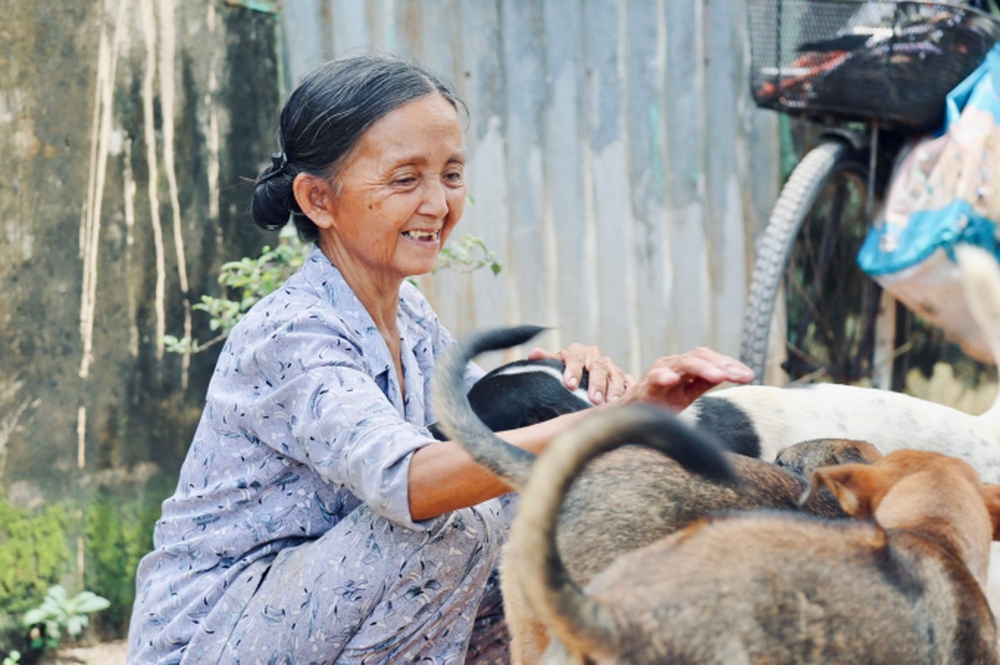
[415,343]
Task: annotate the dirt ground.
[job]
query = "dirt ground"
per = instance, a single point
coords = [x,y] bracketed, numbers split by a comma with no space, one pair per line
[106,653]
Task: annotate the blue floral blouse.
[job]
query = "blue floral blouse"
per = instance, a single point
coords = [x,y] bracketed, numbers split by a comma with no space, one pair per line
[304,420]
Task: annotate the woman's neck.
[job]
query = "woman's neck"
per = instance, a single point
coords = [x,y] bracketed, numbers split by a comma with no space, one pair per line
[378,294]
[377,291]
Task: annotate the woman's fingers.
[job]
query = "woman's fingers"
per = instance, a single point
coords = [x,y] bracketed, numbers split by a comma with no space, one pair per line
[538,353]
[605,380]
[575,357]
[676,381]
[710,365]
[617,384]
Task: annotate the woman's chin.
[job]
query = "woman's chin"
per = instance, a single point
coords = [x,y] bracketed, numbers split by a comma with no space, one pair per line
[420,260]
[416,268]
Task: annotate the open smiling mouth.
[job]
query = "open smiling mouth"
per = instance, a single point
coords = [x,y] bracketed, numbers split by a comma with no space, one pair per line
[424,236]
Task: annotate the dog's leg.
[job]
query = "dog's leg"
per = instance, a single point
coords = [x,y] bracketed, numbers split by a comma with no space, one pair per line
[528,636]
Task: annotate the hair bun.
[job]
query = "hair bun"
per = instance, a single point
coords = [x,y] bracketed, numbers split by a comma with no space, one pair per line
[273,198]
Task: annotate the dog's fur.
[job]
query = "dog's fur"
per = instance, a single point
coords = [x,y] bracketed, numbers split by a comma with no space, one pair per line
[522,393]
[622,501]
[765,419]
[904,587]
[804,458]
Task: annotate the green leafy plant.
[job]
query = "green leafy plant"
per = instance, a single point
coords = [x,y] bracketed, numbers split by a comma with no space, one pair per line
[33,555]
[119,532]
[13,658]
[59,612]
[246,281]
[469,254]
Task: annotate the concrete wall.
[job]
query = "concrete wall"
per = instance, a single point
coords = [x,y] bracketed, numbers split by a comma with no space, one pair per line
[127,128]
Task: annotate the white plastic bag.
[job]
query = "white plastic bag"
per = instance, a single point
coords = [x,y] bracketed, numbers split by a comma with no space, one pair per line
[946,190]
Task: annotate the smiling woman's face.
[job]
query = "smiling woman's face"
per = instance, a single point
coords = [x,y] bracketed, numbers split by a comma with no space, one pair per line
[399,193]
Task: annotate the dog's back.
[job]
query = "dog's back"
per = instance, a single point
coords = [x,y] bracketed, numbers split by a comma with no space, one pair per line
[789,590]
[781,417]
[525,392]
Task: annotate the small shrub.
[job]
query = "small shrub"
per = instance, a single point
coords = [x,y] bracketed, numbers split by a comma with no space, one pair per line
[119,534]
[246,281]
[33,555]
[58,613]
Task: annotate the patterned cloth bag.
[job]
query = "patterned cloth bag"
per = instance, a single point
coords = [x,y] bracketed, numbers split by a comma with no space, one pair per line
[945,190]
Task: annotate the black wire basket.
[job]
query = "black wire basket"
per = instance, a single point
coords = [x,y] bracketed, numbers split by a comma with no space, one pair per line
[863,60]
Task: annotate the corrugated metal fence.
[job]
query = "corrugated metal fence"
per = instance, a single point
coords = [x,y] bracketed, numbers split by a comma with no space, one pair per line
[617,164]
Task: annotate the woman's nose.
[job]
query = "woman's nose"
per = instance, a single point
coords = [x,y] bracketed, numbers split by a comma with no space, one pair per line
[435,201]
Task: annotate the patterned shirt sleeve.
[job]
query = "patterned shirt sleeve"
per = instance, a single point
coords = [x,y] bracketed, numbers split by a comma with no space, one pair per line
[318,402]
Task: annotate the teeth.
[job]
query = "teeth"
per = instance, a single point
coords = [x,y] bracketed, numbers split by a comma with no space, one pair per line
[422,235]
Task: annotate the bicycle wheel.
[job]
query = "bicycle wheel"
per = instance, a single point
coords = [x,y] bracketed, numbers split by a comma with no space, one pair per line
[811,313]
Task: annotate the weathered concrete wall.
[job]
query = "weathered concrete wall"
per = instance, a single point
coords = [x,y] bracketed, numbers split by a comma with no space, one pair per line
[127,128]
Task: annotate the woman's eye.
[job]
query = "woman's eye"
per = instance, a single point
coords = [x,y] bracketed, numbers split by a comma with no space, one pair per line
[405,181]
[454,177]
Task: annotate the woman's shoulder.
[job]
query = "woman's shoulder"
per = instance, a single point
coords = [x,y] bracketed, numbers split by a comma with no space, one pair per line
[308,300]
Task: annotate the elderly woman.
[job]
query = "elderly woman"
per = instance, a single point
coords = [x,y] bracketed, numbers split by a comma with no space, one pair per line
[316,520]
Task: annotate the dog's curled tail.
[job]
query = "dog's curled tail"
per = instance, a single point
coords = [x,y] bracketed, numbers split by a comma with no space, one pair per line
[581,624]
[455,415]
[981,285]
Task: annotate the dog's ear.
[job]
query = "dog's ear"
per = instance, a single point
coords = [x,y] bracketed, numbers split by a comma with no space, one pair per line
[991,497]
[856,486]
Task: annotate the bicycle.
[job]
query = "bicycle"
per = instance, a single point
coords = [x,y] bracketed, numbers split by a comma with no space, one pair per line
[871,76]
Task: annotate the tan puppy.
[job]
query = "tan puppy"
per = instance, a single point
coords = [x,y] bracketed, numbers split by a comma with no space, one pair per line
[905,586]
[623,500]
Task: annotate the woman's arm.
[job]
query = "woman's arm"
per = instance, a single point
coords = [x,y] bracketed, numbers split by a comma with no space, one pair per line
[443,477]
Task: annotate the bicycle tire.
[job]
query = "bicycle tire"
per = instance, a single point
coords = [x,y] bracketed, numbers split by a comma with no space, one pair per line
[842,360]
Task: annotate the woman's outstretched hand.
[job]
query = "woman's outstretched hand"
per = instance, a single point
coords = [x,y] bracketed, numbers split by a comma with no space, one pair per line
[676,381]
[606,382]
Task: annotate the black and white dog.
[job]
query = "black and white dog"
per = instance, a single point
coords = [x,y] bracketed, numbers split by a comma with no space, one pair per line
[523,393]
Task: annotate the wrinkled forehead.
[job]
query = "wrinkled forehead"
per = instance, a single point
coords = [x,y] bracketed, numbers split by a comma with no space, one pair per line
[425,129]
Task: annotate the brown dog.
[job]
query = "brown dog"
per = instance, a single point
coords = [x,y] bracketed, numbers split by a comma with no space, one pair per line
[623,500]
[769,587]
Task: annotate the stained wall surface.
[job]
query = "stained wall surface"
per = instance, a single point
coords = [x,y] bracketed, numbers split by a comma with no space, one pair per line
[127,129]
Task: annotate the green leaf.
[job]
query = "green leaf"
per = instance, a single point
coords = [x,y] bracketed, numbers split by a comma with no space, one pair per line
[52,632]
[246,281]
[34,616]
[74,625]
[88,601]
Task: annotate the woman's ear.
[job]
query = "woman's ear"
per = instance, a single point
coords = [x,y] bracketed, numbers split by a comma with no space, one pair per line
[315,196]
